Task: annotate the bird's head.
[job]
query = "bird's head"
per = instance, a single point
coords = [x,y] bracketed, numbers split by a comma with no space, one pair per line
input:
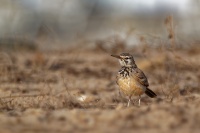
[125,59]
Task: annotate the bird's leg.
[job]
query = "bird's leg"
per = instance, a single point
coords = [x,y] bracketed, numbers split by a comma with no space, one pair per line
[129,100]
[139,100]
[120,94]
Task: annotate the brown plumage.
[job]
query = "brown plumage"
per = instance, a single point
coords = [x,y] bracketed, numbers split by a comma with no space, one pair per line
[130,79]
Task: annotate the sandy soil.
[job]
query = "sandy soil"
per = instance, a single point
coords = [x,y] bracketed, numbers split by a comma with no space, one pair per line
[74,90]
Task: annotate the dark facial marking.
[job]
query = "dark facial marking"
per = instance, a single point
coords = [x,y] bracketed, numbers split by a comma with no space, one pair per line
[127,58]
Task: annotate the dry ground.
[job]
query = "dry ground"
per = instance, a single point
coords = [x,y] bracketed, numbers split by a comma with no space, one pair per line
[74,90]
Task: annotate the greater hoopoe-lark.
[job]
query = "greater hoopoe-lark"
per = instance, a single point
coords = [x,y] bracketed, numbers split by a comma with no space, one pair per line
[130,79]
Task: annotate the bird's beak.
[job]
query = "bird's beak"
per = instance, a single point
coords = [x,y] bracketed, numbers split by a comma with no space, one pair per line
[116,56]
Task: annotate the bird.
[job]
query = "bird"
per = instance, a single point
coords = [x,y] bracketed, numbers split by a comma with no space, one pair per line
[130,79]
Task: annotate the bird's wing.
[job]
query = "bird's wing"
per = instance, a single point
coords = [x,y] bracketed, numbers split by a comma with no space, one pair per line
[140,77]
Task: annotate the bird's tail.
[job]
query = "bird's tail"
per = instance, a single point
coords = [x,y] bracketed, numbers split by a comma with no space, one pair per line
[150,93]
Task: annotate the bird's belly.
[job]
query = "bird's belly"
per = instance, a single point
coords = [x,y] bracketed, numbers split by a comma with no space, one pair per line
[130,86]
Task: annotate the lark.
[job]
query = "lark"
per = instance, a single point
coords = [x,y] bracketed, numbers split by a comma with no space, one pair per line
[130,79]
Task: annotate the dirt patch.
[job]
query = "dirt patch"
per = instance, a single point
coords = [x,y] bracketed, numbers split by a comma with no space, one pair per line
[74,90]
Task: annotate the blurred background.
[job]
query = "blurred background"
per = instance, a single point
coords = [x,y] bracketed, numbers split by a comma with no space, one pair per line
[66,22]
[57,75]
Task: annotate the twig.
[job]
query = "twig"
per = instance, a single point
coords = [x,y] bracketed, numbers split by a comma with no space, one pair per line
[16,96]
